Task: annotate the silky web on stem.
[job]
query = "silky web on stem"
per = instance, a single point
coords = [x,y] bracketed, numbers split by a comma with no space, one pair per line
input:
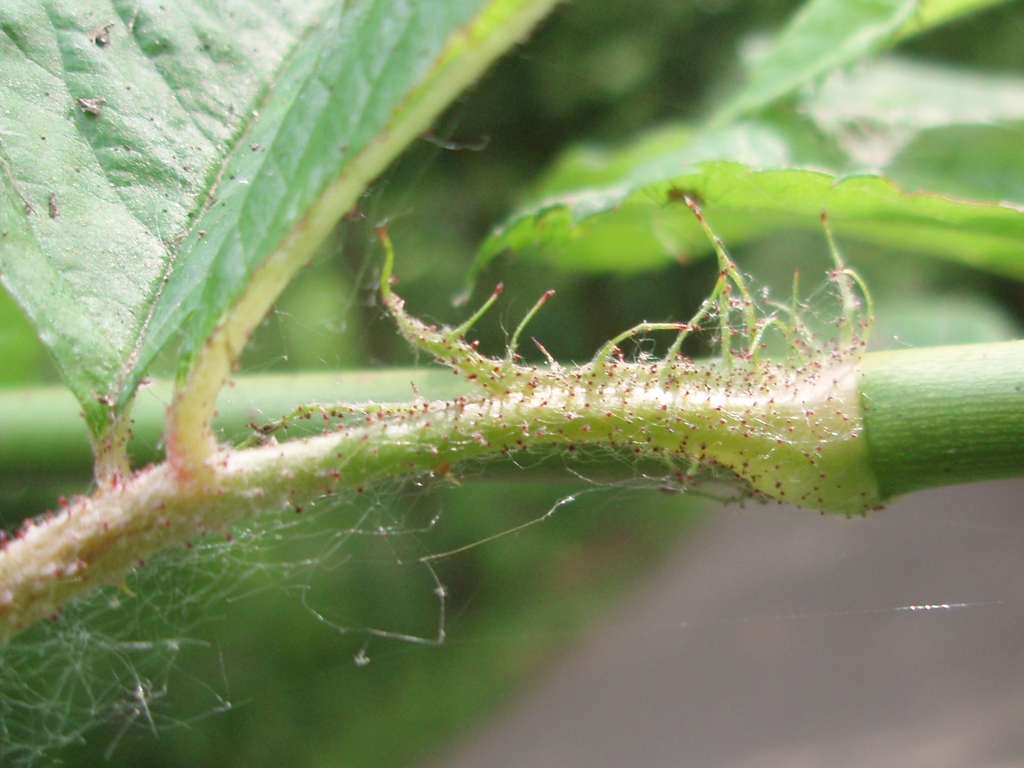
[790,428]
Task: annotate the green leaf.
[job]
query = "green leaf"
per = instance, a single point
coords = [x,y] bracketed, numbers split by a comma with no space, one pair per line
[928,127]
[911,95]
[621,210]
[829,34]
[369,80]
[979,162]
[97,195]
[923,127]
[634,226]
[19,348]
[225,137]
[929,320]
[602,209]
[931,13]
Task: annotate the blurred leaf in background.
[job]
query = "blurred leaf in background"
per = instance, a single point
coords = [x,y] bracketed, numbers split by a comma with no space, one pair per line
[20,350]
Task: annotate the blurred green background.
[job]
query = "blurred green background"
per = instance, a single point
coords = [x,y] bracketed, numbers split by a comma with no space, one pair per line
[266,677]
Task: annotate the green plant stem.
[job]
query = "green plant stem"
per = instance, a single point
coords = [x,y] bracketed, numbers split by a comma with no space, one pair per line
[933,417]
[944,415]
[44,442]
[780,431]
[896,422]
[42,434]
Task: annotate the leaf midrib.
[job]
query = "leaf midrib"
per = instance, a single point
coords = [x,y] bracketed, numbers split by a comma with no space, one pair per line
[205,198]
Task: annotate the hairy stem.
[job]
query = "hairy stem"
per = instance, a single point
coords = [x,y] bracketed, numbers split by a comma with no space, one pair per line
[793,431]
[788,433]
[892,423]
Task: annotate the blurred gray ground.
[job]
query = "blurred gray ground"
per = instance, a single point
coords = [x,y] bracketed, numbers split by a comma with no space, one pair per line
[778,637]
